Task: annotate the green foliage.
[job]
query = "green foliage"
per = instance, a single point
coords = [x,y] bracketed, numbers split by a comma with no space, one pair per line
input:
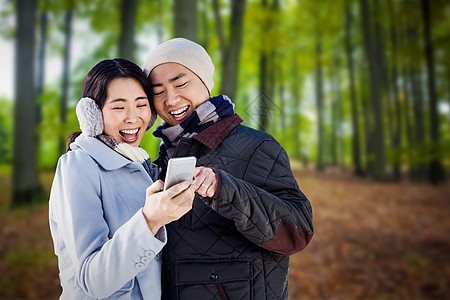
[6,131]
[287,32]
[50,129]
[150,143]
[7,29]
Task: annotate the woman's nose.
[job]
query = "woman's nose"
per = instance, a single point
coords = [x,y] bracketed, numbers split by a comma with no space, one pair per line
[131,115]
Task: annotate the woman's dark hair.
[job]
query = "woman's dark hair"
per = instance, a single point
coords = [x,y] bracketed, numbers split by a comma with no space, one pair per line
[96,82]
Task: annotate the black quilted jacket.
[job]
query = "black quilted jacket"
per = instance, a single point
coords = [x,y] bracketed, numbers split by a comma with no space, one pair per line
[237,245]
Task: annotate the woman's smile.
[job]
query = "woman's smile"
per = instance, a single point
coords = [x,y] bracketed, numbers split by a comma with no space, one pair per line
[130,135]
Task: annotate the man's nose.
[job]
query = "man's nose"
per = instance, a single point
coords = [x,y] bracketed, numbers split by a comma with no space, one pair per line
[172,98]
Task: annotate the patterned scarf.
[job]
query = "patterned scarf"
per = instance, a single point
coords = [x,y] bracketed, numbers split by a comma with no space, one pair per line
[204,116]
[132,153]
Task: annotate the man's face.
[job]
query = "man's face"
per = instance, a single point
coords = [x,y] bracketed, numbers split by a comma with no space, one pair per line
[177,92]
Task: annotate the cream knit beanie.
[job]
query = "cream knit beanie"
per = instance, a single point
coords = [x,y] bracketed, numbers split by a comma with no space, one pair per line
[186,53]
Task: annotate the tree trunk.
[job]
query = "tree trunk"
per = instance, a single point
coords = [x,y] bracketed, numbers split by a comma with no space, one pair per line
[448,85]
[397,115]
[41,55]
[263,70]
[230,50]
[419,124]
[408,123]
[405,62]
[356,153]
[378,167]
[205,26]
[230,65]
[219,27]
[128,24]
[41,68]
[319,104]
[368,141]
[66,73]
[335,122]
[26,186]
[436,170]
[263,98]
[295,91]
[185,19]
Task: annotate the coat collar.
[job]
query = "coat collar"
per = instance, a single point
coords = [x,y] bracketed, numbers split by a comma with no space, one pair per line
[101,153]
[214,135]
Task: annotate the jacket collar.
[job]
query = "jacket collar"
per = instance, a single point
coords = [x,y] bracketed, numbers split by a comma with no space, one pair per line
[101,153]
[214,135]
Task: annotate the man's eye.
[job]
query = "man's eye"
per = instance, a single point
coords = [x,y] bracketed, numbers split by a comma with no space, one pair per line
[157,93]
[181,85]
[118,108]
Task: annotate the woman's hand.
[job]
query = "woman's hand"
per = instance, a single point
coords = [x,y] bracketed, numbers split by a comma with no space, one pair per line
[205,182]
[162,207]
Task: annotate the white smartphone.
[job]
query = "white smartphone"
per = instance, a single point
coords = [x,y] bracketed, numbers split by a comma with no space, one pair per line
[179,169]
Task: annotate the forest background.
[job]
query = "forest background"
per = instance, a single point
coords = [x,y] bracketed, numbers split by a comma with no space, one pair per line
[356,91]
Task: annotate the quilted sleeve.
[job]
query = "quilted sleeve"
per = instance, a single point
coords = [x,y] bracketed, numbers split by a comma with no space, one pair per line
[267,205]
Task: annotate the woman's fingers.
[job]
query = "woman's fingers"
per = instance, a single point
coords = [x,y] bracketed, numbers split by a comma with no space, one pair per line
[177,189]
[156,187]
[184,199]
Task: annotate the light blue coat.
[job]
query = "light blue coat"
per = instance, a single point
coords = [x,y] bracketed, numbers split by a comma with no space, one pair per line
[104,246]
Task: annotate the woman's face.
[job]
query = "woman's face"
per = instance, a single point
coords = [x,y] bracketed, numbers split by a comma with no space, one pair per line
[177,92]
[126,113]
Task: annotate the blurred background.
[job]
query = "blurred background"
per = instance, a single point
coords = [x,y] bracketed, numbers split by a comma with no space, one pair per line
[356,91]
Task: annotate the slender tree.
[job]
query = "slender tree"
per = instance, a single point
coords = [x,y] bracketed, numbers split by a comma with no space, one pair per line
[319,104]
[128,23]
[263,71]
[356,151]
[397,115]
[42,53]
[230,48]
[377,127]
[66,70]
[436,170]
[185,19]
[26,185]
[295,91]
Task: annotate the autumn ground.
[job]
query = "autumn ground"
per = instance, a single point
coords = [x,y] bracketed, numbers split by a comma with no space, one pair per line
[372,241]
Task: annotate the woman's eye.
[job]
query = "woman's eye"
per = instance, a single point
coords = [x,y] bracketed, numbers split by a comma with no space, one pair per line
[118,108]
[181,85]
[157,93]
[142,105]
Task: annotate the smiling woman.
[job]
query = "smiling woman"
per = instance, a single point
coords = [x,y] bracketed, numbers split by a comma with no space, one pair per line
[107,215]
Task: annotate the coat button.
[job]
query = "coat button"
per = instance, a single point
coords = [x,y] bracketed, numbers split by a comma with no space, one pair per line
[214,276]
[149,253]
[144,260]
[138,266]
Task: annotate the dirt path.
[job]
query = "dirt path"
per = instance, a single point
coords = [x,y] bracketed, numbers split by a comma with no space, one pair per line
[372,241]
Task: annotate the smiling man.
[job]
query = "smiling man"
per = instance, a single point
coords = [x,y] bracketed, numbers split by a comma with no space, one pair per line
[234,244]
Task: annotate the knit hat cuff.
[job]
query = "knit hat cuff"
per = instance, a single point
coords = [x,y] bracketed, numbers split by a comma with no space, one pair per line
[184,52]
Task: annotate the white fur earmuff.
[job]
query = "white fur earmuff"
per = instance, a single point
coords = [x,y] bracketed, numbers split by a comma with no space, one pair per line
[90,117]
